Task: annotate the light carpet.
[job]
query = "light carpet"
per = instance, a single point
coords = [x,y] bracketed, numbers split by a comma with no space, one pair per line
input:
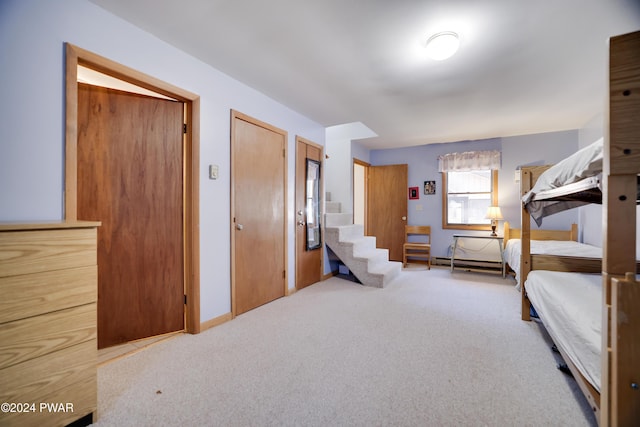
[433,348]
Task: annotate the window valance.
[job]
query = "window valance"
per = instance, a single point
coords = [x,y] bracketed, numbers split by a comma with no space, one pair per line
[469,160]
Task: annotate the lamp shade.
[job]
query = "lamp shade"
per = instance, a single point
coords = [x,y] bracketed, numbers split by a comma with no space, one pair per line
[493,212]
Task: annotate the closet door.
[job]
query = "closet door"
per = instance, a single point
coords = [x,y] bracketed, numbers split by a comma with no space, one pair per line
[259,213]
[308,257]
[387,207]
[130,161]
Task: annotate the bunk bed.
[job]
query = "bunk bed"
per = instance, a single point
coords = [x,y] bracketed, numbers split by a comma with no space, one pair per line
[599,312]
[557,250]
[550,247]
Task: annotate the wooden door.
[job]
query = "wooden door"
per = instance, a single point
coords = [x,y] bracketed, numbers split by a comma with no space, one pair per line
[308,262]
[259,213]
[387,207]
[130,162]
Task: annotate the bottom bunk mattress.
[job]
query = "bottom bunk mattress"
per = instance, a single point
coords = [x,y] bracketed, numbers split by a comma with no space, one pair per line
[513,250]
[570,307]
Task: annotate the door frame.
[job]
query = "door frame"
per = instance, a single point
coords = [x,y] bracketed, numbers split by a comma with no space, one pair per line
[75,56]
[241,116]
[302,140]
[393,236]
[365,166]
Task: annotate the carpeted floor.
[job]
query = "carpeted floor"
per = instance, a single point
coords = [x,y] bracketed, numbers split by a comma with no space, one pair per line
[432,349]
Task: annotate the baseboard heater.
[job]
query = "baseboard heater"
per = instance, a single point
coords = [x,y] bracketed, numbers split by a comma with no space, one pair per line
[468,263]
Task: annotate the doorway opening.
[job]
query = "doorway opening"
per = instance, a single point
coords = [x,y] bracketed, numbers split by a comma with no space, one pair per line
[76,56]
[360,171]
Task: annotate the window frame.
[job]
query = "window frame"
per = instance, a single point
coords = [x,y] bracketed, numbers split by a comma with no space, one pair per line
[445,208]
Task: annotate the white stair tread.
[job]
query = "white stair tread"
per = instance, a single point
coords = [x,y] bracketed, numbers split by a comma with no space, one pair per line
[358,252]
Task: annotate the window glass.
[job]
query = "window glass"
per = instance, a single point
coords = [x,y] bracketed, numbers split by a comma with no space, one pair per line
[467,196]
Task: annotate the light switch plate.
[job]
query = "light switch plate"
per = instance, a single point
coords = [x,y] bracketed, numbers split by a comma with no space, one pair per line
[213,171]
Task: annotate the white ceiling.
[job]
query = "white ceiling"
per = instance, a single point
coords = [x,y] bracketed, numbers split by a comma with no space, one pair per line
[524,66]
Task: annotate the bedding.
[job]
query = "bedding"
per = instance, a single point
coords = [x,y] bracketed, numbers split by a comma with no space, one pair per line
[570,307]
[513,250]
[582,167]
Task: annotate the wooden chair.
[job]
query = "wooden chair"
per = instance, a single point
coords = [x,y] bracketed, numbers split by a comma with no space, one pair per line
[419,248]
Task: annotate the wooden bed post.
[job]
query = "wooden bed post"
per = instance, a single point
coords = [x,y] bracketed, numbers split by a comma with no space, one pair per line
[620,384]
[525,239]
[528,177]
[506,232]
[574,232]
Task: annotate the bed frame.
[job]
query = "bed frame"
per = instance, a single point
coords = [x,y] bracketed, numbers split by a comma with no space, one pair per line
[515,233]
[546,261]
[618,403]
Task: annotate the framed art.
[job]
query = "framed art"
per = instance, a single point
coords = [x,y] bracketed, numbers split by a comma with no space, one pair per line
[429,187]
[414,193]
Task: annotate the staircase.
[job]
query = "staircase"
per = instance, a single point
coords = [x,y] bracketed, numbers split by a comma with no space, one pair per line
[370,265]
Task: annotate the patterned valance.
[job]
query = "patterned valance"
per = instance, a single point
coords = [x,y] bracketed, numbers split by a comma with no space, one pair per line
[468,161]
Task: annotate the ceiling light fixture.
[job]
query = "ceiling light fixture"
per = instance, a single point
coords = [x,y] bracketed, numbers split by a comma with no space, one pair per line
[442,45]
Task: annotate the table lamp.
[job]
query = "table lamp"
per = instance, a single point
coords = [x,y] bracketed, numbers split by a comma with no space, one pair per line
[494,214]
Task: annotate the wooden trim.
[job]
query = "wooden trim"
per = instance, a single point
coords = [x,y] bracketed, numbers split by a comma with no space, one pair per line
[232,211]
[330,275]
[216,321]
[309,142]
[482,227]
[77,56]
[238,115]
[290,291]
[192,216]
[71,134]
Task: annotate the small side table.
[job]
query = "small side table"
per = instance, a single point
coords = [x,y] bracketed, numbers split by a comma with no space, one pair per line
[498,239]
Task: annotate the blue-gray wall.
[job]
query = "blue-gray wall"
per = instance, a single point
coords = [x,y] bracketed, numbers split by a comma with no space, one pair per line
[546,148]
[32,37]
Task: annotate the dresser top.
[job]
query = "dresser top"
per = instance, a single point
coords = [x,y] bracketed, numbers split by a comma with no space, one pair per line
[46,225]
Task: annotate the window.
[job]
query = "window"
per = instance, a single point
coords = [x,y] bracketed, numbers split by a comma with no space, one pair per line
[466,196]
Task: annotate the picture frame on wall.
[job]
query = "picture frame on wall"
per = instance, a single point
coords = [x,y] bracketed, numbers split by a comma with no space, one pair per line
[414,193]
[429,187]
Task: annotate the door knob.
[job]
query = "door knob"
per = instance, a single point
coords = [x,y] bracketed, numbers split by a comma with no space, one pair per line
[301,223]
[239,226]
[404,218]
[300,212]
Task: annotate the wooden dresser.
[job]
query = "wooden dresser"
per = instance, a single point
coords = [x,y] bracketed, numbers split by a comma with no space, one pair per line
[48,316]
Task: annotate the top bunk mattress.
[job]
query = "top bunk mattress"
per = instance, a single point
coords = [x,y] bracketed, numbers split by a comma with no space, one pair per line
[570,183]
[570,306]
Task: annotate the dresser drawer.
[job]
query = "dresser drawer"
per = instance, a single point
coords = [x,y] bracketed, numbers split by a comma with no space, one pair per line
[23,252]
[33,294]
[67,376]
[33,337]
